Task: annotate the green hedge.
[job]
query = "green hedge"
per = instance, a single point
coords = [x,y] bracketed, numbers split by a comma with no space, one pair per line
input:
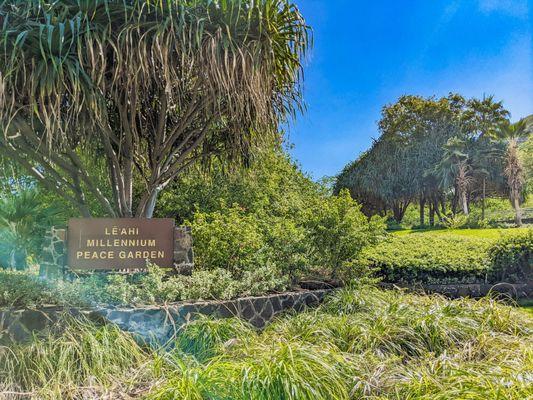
[512,258]
[442,258]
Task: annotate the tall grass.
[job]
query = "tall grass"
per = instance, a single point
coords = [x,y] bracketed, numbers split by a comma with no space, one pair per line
[361,343]
[366,343]
[84,360]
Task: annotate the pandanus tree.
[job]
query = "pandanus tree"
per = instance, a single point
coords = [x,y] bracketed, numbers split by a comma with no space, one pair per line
[148,87]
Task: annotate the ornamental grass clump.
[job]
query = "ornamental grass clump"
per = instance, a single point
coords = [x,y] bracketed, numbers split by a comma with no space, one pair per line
[206,337]
[362,342]
[84,360]
[263,368]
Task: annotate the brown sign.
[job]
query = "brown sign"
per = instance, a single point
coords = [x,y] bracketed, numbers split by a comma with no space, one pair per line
[119,243]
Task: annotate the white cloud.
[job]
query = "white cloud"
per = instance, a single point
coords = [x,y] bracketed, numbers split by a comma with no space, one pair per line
[517,8]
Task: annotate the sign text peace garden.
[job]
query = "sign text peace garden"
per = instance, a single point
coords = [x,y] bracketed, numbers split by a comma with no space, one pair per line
[124,243]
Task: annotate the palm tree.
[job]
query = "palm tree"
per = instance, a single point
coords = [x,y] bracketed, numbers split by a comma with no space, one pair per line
[24,219]
[513,169]
[454,169]
[151,87]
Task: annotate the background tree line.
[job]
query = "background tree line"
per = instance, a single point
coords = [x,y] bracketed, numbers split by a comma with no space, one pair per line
[442,153]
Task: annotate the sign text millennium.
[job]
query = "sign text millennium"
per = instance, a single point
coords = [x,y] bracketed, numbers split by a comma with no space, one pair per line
[120,243]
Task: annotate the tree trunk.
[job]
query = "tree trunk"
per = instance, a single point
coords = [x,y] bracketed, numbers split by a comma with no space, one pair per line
[146,206]
[431,214]
[515,178]
[464,202]
[422,210]
[150,205]
[128,187]
[483,202]
[455,200]
[517,209]
[397,212]
[435,202]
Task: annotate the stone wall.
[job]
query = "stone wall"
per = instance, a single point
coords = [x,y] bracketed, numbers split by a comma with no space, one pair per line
[516,291]
[159,324]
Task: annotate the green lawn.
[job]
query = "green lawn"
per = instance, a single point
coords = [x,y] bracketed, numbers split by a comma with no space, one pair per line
[528,309]
[488,233]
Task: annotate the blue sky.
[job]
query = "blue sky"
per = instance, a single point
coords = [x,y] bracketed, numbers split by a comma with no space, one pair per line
[368,53]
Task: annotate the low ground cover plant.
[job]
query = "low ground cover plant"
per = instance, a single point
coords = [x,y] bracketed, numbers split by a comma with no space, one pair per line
[443,257]
[363,342]
[24,289]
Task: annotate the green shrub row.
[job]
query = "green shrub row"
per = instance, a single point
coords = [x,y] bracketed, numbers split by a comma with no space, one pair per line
[512,258]
[448,258]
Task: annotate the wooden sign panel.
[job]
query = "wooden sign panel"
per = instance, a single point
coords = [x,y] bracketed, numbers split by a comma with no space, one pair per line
[119,243]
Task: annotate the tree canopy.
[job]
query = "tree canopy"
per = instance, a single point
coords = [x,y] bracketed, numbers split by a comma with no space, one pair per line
[147,87]
[431,149]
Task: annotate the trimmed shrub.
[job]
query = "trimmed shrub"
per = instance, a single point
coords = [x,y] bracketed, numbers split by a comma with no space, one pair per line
[429,259]
[512,258]
[440,257]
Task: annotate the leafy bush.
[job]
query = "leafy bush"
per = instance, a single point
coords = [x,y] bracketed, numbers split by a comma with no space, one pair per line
[273,184]
[270,216]
[512,258]
[19,289]
[23,289]
[339,231]
[325,239]
[441,257]
[429,258]
[24,219]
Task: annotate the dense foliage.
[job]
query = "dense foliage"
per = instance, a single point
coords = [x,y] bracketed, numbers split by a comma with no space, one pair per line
[439,153]
[270,217]
[440,257]
[24,219]
[362,343]
[147,87]
[512,258]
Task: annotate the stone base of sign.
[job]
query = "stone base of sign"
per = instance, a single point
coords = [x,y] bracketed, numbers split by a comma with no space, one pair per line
[158,324]
[54,253]
[183,250]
